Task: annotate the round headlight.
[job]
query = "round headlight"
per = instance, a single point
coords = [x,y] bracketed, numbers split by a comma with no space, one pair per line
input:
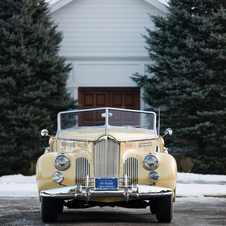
[58,177]
[150,162]
[153,176]
[62,162]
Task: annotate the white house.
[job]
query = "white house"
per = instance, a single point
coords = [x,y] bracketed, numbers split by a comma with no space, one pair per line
[103,41]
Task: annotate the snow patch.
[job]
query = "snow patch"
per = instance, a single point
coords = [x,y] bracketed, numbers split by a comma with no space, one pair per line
[189,178]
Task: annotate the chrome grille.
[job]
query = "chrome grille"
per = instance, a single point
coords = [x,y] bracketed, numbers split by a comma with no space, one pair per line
[106,158]
[82,169]
[130,168]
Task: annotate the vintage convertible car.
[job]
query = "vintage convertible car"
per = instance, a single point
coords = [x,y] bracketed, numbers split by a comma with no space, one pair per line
[106,157]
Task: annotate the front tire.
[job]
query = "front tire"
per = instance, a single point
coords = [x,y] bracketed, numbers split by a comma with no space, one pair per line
[48,209]
[153,207]
[60,208]
[164,212]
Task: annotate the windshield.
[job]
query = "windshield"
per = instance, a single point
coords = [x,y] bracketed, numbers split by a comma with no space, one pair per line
[97,117]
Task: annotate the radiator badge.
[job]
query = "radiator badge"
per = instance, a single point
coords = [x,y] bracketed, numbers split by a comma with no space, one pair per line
[68,144]
[146,144]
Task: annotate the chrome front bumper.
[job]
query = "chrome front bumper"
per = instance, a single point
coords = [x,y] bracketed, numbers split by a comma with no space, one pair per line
[78,192]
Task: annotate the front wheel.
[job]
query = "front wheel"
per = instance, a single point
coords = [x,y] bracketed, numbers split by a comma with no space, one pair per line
[60,208]
[153,207]
[48,209]
[164,212]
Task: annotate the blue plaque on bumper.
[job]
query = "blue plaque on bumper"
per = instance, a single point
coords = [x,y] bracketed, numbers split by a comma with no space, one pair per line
[106,184]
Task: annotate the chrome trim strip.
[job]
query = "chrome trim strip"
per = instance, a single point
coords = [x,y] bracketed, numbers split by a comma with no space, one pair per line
[81,140]
[143,191]
[140,140]
[105,108]
[57,138]
[68,139]
[106,122]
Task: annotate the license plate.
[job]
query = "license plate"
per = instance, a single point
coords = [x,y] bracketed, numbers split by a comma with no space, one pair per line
[106,184]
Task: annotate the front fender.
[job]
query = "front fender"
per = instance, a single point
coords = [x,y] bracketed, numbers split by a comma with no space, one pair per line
[45,168]
[167,170]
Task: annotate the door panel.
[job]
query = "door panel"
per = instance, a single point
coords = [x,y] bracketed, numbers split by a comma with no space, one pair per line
[88,99]
[117,99]
[101,99]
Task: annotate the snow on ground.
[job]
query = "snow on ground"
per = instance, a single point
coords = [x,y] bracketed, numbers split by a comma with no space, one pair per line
[199,185]
[18,186]
[188,185]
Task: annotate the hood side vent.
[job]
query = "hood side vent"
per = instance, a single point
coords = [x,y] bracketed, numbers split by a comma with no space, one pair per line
[130,168]
[82,169]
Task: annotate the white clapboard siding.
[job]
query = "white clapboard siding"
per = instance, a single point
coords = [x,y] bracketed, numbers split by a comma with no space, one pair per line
[104,28]
[103,74]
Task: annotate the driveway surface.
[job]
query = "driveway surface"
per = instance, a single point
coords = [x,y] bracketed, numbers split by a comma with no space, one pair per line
[187,211]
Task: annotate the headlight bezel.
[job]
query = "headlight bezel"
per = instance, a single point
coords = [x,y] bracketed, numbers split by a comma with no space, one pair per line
[56,163]
[156,164]
[153,174]
[60,177]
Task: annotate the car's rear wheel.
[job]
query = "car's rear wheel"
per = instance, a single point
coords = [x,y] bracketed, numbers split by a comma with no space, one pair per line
[164,211]
[48,209]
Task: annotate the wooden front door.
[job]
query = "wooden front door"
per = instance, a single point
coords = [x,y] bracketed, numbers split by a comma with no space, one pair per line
[128,98]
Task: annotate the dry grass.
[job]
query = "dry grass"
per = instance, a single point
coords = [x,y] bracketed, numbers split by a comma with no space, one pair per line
[183,163]
[216,196]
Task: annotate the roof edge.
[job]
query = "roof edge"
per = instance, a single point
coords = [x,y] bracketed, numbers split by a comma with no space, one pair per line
[161,6]
[59,5]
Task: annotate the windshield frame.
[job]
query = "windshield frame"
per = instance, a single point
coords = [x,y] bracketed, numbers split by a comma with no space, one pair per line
[106,125]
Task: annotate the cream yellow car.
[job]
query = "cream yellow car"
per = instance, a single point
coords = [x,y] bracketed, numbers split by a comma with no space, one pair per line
[106,157]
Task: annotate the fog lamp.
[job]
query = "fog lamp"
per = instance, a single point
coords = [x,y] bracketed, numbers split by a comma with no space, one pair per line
[58,177]
[153,177]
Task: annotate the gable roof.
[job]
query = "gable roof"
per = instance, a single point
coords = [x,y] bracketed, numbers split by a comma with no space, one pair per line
[159,4]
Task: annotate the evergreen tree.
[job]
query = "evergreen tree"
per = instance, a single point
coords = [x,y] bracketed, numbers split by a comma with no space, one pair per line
[187,79]
[32,82]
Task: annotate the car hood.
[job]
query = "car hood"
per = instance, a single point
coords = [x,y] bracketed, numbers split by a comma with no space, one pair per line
[119,133]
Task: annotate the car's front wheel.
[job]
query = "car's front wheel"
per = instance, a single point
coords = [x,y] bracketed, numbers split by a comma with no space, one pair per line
[48,209]
[164,211]
[60,208]
[153,206]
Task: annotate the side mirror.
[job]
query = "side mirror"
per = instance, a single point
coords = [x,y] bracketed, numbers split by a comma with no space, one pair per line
[168,131]
[44,133]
